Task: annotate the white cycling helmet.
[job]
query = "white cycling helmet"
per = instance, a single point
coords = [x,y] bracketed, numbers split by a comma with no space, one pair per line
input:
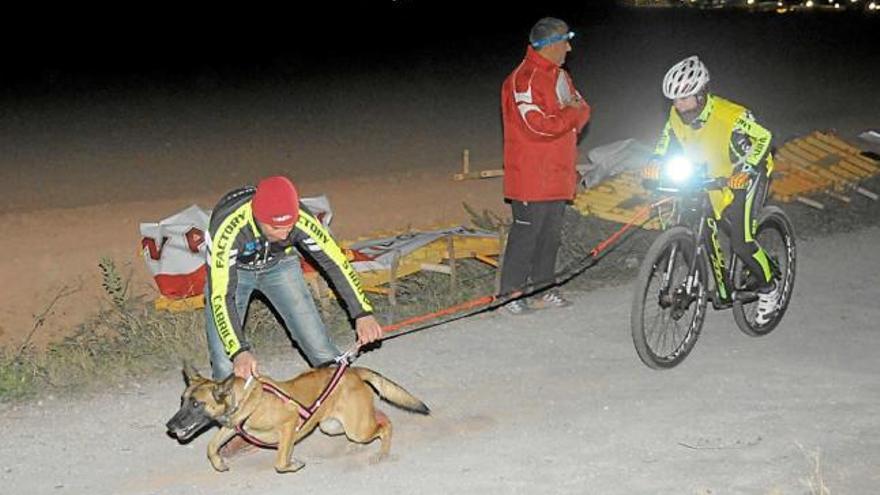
[685,78]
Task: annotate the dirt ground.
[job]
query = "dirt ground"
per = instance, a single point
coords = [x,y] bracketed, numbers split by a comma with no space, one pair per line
[554,402]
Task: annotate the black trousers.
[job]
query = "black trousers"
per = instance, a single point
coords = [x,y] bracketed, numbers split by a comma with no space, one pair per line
[532,244]
[740,222]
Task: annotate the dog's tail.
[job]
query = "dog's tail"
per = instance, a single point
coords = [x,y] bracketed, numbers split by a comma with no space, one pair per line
[391,391]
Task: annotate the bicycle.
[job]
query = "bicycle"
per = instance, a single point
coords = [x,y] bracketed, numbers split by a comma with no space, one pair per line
[681,259]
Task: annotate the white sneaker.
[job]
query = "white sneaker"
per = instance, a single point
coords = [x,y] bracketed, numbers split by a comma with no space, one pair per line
[553,299]
[517,307]
[767,305]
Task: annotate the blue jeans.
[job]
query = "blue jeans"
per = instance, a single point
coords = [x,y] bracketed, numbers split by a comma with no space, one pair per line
[285,288]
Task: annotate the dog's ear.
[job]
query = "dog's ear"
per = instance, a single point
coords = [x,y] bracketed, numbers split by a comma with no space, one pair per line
[223,389]
[190,373]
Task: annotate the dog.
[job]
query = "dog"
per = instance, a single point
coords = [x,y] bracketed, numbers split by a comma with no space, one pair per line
[268,418]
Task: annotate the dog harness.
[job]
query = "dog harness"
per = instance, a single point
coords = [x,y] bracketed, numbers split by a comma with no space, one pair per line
[305,413]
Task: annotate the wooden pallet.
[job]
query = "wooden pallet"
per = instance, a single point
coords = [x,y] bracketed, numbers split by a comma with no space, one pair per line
[433,255]
[617,199]
[436,256]
[821,164]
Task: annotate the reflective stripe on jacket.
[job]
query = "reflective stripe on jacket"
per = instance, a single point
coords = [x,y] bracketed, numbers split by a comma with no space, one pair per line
[235,242]
[540,132]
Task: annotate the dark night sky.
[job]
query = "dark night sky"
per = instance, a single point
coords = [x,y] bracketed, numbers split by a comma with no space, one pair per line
[149,45]
[77,51]
[96,94]
[74,53]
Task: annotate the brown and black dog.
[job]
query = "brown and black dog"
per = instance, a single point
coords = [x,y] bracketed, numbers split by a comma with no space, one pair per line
[271,420]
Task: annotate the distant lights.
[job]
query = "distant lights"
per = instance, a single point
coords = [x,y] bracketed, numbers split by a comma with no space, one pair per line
[872,6]
[809,3]
[751,2]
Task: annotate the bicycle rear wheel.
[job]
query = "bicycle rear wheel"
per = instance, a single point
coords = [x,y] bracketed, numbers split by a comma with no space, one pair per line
[665,319]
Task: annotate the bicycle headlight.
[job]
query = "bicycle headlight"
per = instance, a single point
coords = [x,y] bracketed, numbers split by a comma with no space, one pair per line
[679,169]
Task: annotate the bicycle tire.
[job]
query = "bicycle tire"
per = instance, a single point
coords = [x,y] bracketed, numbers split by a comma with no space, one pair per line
[771,217]
[657,256]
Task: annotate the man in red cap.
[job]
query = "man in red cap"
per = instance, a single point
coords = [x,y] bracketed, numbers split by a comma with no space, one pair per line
[253,238]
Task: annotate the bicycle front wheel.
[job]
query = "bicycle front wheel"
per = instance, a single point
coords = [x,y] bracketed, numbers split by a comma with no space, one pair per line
[667,316]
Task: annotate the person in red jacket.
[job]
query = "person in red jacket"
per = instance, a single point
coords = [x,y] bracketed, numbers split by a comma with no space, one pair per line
[542,113]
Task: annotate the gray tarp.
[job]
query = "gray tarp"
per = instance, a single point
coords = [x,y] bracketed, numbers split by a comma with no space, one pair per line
[871,136]
[613,158]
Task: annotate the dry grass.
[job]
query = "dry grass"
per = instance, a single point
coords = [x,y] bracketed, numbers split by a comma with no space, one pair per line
[816,479]
[129,339]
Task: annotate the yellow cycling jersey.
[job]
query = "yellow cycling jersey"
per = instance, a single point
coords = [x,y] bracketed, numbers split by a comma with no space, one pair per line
[713,143]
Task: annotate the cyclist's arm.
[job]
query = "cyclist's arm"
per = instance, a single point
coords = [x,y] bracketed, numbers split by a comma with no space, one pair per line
[222,279]
[750,146]
[667,144]
[314,239]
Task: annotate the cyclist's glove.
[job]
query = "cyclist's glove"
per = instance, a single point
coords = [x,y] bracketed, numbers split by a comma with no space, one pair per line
[739,180]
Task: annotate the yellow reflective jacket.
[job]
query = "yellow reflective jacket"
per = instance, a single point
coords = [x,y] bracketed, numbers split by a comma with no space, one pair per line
[726,138]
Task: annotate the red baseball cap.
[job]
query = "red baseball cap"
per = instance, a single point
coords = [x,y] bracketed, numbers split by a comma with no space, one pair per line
[276,202]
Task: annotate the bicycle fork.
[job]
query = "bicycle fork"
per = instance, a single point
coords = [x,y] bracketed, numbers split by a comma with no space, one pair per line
[691,280]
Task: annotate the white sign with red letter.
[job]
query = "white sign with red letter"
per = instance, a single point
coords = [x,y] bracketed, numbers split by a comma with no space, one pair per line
[174,250]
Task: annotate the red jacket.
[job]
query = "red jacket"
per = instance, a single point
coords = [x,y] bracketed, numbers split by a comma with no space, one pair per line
[540,133]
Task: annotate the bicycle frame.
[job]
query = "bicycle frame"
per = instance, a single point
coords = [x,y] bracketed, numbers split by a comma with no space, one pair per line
[710,254]
[709,250]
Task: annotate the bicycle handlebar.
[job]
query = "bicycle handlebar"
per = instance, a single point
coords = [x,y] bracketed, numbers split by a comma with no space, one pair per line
[706,184]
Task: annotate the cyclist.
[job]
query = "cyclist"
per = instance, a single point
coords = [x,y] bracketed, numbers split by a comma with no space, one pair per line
[725,136]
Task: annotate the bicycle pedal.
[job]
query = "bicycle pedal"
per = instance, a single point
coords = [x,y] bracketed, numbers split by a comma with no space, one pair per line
[745,296]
